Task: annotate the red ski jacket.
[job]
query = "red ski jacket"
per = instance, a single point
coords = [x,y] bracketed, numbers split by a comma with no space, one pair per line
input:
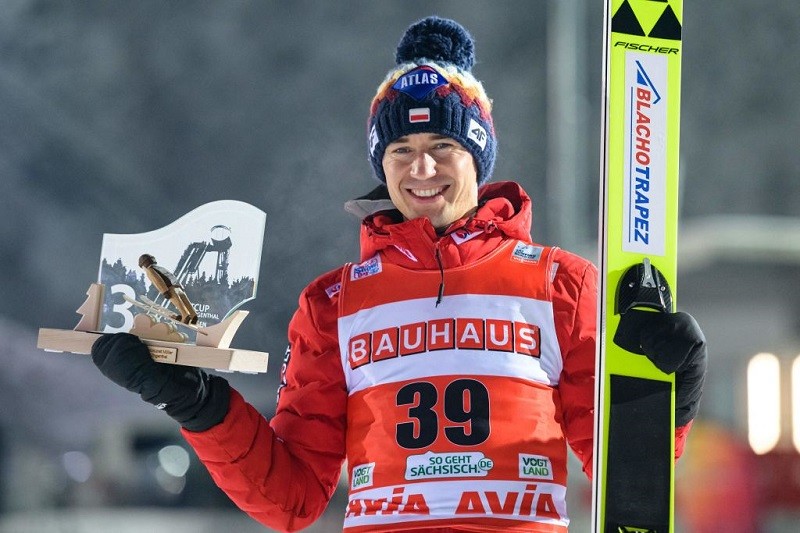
[283,472]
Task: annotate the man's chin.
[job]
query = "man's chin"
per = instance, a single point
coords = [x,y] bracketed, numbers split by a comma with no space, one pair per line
[437,217]
[440,222]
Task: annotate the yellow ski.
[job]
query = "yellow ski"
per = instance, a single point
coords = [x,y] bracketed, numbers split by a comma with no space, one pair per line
[634,429]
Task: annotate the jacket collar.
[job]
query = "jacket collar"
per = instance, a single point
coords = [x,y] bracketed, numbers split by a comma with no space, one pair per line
[504,212]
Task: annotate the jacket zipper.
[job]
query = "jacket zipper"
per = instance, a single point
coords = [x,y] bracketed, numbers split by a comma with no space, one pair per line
[440,294]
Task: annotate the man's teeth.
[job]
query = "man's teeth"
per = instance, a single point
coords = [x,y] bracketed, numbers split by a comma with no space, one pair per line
[427,192]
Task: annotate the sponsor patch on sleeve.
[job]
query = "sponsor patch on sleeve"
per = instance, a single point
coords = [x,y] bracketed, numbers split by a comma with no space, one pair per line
[333,290]
[527,252]
[370,267]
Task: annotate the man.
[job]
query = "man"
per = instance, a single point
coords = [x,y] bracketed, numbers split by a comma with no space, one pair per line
[450,367]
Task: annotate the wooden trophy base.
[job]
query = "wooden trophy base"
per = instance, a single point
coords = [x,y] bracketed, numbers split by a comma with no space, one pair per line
[212,349]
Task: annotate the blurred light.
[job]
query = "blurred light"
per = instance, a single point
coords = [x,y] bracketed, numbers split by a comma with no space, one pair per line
[168,482]
[78,466]
[796,403]
[763,402]
[174,460]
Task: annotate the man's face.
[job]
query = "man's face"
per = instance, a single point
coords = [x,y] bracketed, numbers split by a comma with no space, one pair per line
[430,175]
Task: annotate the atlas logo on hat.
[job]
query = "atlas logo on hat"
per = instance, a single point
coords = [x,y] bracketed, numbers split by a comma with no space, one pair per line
[420,82]
[432,90]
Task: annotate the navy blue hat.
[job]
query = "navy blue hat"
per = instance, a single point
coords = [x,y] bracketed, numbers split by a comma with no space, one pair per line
[432,90]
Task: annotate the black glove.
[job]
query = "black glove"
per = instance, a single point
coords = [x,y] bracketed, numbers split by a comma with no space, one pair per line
[674,343]
[195,399]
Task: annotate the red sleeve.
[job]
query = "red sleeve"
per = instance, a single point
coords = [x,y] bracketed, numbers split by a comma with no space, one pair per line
[575,310]
[681,433]
[283,473]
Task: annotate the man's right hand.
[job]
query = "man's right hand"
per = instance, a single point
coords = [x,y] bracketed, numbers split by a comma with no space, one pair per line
[195,399]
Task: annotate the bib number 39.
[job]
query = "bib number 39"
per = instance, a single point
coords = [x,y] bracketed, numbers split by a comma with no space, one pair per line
[465,408]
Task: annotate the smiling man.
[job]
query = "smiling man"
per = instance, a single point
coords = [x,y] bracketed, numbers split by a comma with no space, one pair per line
[430,175]
[451,367]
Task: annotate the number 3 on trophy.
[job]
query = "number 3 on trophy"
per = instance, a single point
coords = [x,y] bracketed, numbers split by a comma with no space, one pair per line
[122,308]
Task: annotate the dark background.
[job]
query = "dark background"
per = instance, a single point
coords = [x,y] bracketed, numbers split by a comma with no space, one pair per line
[119,117]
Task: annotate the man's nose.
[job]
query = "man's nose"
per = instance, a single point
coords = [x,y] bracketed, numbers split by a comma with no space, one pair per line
[423,166]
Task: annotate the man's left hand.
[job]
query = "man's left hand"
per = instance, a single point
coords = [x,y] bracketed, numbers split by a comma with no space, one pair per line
[675,343]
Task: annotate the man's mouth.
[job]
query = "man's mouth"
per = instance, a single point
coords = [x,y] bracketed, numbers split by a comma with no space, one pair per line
[426,193]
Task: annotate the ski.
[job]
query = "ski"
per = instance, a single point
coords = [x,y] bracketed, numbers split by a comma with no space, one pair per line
[633,479]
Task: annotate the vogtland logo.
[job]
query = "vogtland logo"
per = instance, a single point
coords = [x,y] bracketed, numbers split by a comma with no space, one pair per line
[535,467]
[361,476]
[644,210]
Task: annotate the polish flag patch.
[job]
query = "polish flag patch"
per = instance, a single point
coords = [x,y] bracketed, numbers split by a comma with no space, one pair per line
[419,114]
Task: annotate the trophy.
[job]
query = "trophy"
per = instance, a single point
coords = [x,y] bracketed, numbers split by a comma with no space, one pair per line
[187,314]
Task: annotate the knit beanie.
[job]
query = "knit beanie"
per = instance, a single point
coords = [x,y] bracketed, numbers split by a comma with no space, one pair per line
[432,90]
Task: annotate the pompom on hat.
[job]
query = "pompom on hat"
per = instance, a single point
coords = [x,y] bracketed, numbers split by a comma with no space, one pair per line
[432,90]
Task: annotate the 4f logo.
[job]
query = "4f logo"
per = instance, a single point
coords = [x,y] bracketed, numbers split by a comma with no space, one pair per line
[477,133]
[373,140]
